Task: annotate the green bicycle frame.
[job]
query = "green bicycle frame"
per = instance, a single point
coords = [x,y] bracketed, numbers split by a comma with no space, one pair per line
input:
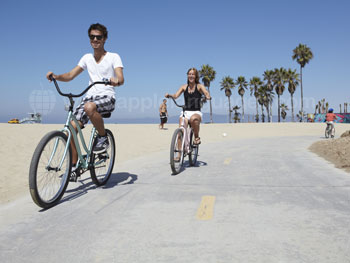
[69,129]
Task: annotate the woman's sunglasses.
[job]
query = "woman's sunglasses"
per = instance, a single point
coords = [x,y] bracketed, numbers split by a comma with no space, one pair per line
[98,37]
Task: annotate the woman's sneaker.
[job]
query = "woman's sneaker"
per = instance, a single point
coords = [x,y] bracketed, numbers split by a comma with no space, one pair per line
[101,145]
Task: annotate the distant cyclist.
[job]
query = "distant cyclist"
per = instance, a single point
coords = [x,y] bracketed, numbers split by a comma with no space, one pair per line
[193,91]
[330,118]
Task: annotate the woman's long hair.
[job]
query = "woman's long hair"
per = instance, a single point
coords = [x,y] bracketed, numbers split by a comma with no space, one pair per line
[196,73]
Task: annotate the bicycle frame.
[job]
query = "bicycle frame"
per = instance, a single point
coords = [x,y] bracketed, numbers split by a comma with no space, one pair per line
[69,129]
[186,130]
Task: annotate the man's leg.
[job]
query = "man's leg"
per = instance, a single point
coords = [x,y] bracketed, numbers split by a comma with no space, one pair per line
[96,119]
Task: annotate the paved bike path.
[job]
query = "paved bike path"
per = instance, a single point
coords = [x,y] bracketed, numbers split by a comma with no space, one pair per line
[256,200]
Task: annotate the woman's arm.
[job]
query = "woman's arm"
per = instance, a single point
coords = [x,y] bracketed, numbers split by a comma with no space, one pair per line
[204,91]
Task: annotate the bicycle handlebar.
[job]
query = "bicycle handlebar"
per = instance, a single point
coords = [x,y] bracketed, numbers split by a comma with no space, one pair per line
[70,95]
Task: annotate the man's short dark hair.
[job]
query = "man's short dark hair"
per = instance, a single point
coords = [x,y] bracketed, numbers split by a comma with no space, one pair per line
[99,27]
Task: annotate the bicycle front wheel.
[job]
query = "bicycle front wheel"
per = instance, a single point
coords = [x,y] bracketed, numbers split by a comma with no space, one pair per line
[50,169]
[101,164]
[193,154]
[177,151]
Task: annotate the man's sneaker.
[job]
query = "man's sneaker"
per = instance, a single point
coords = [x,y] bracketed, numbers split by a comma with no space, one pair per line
[75,174]
[101,145]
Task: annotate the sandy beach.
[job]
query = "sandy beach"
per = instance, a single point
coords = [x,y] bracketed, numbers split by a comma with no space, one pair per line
[135,140]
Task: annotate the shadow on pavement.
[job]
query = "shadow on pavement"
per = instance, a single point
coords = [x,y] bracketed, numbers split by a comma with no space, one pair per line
[86,185]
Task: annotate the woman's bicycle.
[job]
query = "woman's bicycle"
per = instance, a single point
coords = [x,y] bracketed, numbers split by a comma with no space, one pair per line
[182,145]
[51,165]
[329,132]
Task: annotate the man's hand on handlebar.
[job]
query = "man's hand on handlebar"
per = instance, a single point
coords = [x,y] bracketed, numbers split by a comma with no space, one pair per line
[167,95]
[114,82]
[50,75]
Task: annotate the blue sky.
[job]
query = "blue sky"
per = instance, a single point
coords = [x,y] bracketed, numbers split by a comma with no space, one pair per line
[159,40]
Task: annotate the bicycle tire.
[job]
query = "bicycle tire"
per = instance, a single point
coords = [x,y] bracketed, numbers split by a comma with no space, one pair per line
[101,164]
[176,166]
[192,156]
[326,133]
[47,186]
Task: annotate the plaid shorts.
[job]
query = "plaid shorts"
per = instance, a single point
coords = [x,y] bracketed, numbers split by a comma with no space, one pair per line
[104,104]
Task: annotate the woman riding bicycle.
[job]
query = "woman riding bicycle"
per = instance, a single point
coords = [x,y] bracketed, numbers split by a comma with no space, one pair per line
[193,91]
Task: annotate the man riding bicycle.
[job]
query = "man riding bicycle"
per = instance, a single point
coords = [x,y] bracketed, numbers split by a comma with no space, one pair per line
[330,118]
[193,91]
[100,99]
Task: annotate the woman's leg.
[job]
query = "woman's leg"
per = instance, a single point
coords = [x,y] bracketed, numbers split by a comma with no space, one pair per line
[195,124]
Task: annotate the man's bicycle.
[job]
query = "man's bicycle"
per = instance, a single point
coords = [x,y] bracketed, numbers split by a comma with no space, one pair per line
[51,165]
[329,132]
[182,145]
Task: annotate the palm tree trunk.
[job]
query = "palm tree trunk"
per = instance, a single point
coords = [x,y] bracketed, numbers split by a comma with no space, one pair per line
[301,92]
[270,111]
[257,109]
[292,104]
[279,109]
[242,109]
[229,109]
[262,113]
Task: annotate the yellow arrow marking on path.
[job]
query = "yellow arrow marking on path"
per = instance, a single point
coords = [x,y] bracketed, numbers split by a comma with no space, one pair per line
[227,161]
[206,208]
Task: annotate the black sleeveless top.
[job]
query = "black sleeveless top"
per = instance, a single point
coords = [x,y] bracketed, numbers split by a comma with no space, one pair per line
[192,100]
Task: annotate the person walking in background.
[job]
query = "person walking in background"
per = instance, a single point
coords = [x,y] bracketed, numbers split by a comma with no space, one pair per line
[163,113]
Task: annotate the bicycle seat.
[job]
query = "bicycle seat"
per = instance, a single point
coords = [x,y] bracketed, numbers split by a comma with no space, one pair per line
[106,115]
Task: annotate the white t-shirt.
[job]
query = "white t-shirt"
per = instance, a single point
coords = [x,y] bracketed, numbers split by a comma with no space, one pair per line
[102,70]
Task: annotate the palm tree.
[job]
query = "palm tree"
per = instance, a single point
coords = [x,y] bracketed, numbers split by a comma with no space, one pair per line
[265,100]
[261,100]
[293,82]
[207,73]
[227,84]
[279,80]
[303,55]
[268,76]
[242,86]
[255,83]
[284,108]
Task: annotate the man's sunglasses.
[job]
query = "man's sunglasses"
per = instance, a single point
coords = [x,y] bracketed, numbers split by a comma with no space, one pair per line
[98,37]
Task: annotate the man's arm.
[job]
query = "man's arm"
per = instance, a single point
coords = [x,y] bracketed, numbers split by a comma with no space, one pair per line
[66,76]
[119,80]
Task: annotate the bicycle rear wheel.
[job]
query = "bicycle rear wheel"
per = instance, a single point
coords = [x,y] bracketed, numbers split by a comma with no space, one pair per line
[101,164]
[327,132]
[177,151]
[47,180]
[193,154]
